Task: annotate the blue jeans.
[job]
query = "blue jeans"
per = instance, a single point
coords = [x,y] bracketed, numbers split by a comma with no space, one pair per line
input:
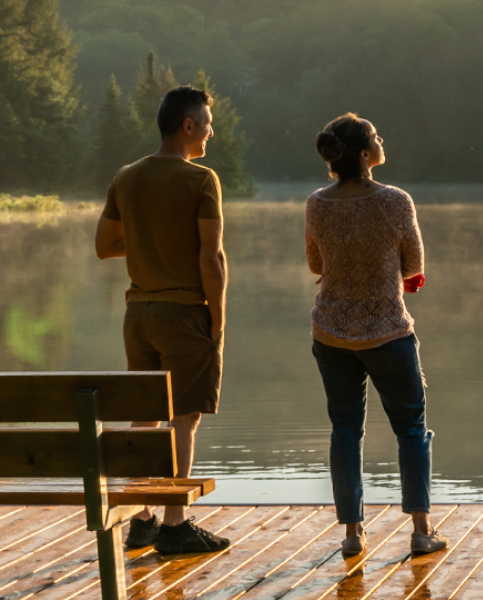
[396,373]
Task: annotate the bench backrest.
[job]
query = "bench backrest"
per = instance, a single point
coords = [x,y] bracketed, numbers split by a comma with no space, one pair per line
[70,398]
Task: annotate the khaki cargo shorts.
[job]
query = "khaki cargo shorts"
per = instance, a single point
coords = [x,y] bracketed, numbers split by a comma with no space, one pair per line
[167,336]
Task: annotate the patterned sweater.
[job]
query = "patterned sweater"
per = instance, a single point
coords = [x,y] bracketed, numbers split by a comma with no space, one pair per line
[363,248]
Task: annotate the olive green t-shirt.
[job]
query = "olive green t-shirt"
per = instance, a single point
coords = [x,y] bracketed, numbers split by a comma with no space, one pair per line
[159,201]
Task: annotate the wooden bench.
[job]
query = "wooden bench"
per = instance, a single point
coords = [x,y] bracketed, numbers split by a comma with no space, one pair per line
[113,471]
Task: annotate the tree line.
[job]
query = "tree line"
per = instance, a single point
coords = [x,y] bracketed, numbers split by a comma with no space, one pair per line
[285,67]
[50,139]
[413,67]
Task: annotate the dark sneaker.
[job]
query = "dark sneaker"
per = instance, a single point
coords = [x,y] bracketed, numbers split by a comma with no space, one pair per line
[188,537]
[143,533]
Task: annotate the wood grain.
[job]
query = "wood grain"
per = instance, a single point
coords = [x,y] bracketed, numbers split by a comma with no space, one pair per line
[383,562]
[131,452]
[464,556]
[414,572]
[307,525]
[181,567]
[32,522]
[67,559]
[241,556]
[327,576]
[50,397]
[324,545]
[153,492]
[473,588]
[144,563]
[282,551]
[38,558]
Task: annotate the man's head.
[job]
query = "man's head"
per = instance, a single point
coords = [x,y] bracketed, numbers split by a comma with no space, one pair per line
[186,112]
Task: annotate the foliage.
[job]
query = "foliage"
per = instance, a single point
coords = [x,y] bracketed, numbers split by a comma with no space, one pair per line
[28,203]
[226,149]
[40,204]
[127,130]
[150,88]
[289,66]
[39,104]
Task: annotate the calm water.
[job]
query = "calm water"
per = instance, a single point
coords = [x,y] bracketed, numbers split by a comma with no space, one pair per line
[62,309]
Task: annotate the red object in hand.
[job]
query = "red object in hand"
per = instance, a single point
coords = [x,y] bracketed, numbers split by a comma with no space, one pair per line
[413,284]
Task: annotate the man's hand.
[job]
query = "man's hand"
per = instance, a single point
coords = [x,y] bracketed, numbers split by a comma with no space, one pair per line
[216,331]
[110,239]
[213,271]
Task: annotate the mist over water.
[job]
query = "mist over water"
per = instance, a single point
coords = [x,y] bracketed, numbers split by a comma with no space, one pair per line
[62,309]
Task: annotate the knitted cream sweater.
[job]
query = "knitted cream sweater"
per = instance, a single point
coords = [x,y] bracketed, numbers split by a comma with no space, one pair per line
[362,248]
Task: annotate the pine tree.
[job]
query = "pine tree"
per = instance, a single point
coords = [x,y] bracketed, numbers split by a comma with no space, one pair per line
[132,133]
[108,144]
[41,118]
[118,136]
[226,150]
[150,89]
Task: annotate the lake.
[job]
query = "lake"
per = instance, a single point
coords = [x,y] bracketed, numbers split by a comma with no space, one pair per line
[62,309]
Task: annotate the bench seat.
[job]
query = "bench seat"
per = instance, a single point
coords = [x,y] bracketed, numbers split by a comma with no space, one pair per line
[122,492]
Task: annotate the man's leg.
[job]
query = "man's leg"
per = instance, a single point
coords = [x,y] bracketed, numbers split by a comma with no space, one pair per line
[185,427]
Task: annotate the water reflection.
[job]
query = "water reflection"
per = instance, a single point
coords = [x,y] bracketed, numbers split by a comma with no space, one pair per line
[62,309]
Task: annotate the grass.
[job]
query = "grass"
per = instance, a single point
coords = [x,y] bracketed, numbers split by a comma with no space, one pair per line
[42,210]
[39,203]
[31,203]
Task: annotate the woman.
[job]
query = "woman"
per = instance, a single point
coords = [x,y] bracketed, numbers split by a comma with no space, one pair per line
[363,240]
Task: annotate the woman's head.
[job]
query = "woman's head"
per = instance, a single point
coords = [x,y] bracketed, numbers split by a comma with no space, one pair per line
[351,146]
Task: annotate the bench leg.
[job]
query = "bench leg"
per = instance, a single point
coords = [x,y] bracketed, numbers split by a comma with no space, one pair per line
[111,564]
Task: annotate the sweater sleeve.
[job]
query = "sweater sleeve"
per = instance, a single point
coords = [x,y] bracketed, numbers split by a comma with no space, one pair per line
[312,252]
[412,250]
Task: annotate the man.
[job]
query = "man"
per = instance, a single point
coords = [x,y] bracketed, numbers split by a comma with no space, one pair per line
[163,213]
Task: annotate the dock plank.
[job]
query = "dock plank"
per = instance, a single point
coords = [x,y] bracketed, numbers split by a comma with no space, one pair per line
[278,552]
[472,589]
[183,567]
[281,580]
[274,557]
[68,563]
[242,555]
[22,531]
[384,562]
[142,566]
[35,567]
[459,565]
[414,575]
[326,577]
[8,511]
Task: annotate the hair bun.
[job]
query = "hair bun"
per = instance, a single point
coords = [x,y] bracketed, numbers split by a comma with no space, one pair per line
[329,146]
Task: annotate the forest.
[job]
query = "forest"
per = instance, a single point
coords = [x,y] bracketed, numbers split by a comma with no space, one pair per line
[79,80]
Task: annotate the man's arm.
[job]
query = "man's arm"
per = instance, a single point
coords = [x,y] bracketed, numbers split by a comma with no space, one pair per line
[214,276]
[109,239]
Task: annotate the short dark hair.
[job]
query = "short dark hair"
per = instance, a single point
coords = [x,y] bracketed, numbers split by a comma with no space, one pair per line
[341,143]
[177,105]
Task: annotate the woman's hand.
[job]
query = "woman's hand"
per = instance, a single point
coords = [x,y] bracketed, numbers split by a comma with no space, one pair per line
[412,284]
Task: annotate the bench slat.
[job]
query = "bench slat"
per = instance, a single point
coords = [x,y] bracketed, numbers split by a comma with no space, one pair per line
[144,491]
[50,397]
[56,452]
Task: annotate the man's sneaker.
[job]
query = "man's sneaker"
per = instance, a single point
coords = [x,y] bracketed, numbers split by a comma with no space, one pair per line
[354,544]
[143,533]
[420,542]
[188,537]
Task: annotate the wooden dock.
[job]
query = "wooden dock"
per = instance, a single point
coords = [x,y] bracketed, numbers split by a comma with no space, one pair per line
[289,552]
